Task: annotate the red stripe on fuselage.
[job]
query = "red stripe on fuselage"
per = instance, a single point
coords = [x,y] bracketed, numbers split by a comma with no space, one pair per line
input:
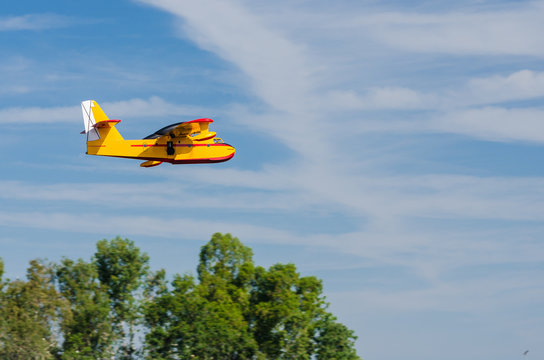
[172,161]
[177,145]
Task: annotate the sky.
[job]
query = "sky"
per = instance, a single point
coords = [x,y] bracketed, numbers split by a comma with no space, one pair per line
[392,149]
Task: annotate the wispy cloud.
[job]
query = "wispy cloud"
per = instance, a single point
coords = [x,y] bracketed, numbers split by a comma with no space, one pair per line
[95,223]
[379,98]
[520,85]
[481,108]
[279,73]
[511,31]
[382,200]
[494,124]
[223,28]
[300,100]
[154,106]
[34,22]
[154,195]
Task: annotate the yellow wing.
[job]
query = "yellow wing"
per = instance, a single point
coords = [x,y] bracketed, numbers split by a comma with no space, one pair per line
[196,130]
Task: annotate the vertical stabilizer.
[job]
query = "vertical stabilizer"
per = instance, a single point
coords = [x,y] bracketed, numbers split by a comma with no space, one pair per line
[98,113]
[102,136]
[92,114]
[89,119]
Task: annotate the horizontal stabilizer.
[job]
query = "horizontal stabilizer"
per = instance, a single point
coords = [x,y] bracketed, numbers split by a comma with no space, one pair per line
[106,123]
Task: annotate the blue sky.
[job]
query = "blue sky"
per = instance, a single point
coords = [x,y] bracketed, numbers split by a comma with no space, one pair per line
[392,150]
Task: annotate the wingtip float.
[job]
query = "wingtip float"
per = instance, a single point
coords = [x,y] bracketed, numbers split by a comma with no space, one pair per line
[188,142]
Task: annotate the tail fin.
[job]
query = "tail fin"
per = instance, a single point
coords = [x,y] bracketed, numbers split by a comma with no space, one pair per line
[97,124]
[92,113]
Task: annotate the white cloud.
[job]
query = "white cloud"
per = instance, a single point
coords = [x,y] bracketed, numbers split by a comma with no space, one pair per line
[275,65]
[494,124]
[379,98]
[438,196]
[390,235]
[157,195]
[520,85]
[514,31]
[278,70]
[443,297]
[460,110]
[34,22]
[154,106]
[34,115]
[283,73]
[185,228]
[381,200]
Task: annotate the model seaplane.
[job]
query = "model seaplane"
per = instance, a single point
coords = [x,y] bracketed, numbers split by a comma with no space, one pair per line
[188,142]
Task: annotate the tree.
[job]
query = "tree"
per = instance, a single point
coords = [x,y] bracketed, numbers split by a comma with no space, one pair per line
[29,309]
[88,332]
[225,259]
[103,301]
[239,311]
[286,311]
[208,319]
[121,269]
[225,271]
[335,341]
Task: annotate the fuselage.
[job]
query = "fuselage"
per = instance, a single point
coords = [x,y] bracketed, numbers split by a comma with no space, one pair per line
[173,150]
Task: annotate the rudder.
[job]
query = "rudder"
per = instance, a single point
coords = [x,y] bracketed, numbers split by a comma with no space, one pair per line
[92,113]
[96,122]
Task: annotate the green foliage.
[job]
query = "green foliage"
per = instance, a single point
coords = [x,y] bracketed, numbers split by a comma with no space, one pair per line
[27,311]
[232,310]
[286,308]
[1,275]
[208,319]
[121,268]
[88,332]
[239,311]
[335,341]
[224,258]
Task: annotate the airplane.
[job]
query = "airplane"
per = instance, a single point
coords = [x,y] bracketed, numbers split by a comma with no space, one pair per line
[188,142]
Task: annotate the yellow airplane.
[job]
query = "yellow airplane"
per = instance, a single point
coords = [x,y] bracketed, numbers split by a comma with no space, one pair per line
[188,142]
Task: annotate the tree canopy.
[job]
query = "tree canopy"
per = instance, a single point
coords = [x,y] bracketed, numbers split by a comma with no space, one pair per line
[114,307]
